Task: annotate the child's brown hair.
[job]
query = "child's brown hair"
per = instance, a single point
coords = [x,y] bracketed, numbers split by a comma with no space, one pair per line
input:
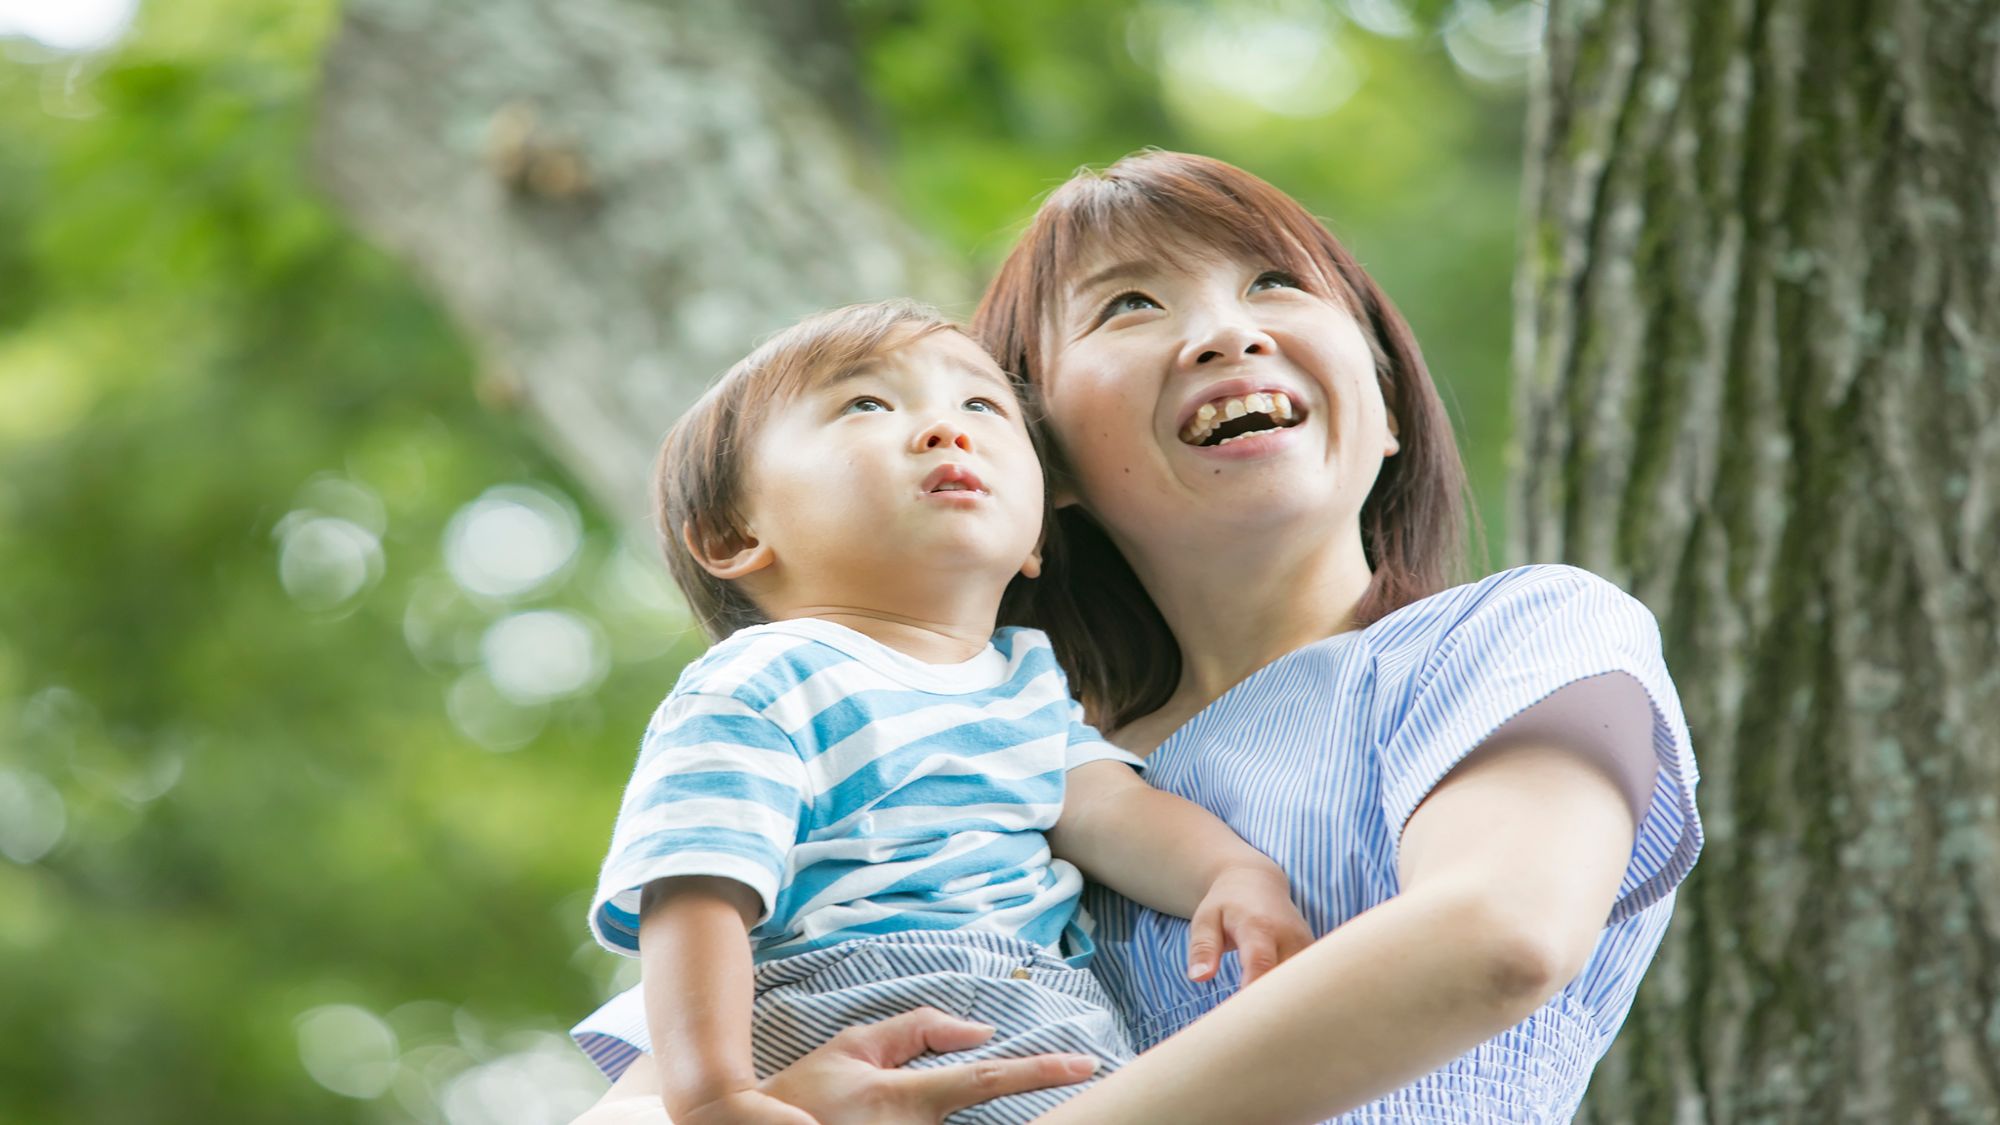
[698,479]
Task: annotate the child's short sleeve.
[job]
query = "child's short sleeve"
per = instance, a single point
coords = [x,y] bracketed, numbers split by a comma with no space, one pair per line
[1086,745]
[719,790]
[1525,635]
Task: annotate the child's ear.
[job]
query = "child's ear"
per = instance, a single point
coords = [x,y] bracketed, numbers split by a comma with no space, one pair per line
[1033,567]
[727,556]
[1393,446]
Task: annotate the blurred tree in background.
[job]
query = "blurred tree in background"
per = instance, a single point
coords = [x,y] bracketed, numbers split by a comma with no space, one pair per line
[319,678]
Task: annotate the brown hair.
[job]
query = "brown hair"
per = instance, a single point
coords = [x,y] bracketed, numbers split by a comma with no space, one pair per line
[698,479]
[1122,659]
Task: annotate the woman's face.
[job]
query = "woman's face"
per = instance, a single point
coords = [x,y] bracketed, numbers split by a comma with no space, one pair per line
[1211,396]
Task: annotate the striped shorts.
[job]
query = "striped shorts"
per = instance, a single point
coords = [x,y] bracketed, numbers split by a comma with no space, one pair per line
[1036,1001]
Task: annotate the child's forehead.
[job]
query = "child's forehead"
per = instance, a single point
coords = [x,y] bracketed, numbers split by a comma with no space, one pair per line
[940,353]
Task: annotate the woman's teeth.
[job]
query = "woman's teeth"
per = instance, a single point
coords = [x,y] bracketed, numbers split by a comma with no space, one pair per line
[1227,419]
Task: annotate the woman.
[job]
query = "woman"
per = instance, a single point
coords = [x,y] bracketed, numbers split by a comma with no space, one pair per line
[1483,795]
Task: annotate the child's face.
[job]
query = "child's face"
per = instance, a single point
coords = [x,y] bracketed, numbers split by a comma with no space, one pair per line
[914,471]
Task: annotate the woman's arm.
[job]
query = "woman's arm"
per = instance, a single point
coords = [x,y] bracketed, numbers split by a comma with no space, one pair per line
[1509,870]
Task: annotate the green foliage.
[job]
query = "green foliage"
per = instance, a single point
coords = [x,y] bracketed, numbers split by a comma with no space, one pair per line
[273,786]
[267,808]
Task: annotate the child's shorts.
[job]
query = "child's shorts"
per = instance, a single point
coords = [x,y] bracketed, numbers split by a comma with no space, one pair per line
[1037,1003]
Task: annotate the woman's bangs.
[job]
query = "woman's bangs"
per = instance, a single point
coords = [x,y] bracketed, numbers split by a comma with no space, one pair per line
[1173,223]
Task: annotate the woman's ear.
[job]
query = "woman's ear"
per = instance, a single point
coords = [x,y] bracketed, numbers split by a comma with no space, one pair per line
[727,556]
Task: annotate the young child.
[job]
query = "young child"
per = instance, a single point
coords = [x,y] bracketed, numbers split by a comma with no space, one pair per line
[846,809]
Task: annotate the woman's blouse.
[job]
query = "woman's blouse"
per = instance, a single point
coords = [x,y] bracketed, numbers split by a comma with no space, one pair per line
[1319,759]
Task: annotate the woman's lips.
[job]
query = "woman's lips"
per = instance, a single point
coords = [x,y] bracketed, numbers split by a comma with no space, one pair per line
[1219,413]
[1260,443]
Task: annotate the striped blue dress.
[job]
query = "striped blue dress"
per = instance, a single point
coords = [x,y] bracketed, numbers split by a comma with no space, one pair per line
[1320,757]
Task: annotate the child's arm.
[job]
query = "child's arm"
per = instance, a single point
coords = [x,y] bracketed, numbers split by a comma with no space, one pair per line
[694,955]
[1178,858]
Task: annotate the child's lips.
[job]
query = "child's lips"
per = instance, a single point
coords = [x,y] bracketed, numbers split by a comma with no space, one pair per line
[949,478]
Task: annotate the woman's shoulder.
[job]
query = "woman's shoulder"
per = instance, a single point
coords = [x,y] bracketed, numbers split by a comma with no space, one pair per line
[1524,597]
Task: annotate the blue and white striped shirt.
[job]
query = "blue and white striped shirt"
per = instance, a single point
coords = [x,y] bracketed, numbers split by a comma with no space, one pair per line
[1318,760]
[857,790]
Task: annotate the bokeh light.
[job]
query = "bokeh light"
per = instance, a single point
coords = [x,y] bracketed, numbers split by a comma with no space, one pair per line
[68,25]
[32,816]
[1494,44]
[545,1079]
[1388,18]
[1284,59]
[348,1050]
[486,716]
[544,654]
[512,540]
[324,562]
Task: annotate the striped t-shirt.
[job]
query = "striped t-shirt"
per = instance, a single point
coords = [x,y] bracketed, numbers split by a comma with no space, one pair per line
[856,790]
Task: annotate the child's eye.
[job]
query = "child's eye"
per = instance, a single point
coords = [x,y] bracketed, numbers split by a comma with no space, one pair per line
[1133,301]
[866,404]
[1274,279]
[984,405]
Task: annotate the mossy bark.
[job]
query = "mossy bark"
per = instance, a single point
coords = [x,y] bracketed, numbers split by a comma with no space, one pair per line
[1758,319]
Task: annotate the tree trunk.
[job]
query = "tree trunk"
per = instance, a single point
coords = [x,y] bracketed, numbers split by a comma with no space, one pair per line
[615,198]
[1758,314]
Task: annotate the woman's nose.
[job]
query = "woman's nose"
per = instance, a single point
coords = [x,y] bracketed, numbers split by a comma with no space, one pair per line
[939,435]
[1224,340]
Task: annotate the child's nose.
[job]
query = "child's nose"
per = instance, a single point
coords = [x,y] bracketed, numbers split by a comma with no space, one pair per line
[940,434]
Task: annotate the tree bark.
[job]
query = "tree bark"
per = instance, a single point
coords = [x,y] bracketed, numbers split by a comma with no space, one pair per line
[1758,316]
[615,198]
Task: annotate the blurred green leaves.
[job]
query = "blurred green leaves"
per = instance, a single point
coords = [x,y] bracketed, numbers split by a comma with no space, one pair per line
[212,389]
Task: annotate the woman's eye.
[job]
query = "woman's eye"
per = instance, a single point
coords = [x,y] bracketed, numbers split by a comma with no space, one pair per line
[1274,279]
[1124,303]
[864,405]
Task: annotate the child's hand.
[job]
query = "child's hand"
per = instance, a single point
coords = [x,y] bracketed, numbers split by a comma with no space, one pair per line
[1248,909]
[745,1107]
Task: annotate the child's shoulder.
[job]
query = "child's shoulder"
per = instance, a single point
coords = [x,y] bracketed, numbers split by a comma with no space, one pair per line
[758,664]
[1018,641]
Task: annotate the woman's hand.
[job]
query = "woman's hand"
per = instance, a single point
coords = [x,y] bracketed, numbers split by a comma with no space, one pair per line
[1250,910]
[854,1078]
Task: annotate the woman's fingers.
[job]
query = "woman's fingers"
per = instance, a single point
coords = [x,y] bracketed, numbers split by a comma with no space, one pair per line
[898,1039]
[948,1089]
[1204,943]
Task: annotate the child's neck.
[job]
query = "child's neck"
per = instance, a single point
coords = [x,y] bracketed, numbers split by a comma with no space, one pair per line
[930,641]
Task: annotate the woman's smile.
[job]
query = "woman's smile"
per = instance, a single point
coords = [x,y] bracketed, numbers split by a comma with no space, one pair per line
[1236,409]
